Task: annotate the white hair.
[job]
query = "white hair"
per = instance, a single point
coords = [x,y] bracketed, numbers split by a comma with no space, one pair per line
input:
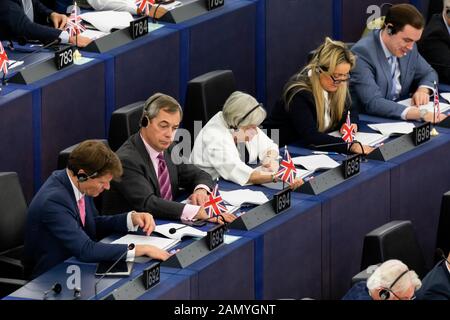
[237,107]
[446,4]
[386,274]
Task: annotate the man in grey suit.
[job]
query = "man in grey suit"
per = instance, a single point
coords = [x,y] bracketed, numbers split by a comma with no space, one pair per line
[389,68]
[153,175]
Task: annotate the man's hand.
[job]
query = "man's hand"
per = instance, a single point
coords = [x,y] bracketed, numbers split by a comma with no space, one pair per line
[199,197]
[144,220]
[151,251]
[356,148]
[80,41]
[420,97]
[297,183]
[59,20]
[202,215]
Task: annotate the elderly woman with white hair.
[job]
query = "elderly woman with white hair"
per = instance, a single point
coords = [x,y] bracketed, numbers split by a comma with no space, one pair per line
[392,280]
[219,147]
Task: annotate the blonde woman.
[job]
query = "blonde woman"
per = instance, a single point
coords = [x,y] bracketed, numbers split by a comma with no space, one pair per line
[316,100]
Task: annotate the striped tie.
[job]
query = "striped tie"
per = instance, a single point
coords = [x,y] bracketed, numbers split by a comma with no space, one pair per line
[394,79]
[163,179]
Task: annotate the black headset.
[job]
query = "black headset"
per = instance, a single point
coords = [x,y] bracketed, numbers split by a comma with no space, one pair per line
[83,177]
[236,127]
[385,293]
[144,119]
[391,29]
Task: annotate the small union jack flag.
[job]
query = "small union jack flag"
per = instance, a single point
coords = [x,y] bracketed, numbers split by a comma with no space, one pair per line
[287,168]
[74,25]
[215,206]
[144,6]
[437,108]
[3,60]
[348,134]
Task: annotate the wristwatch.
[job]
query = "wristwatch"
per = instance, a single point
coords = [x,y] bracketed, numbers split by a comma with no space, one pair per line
[423,112]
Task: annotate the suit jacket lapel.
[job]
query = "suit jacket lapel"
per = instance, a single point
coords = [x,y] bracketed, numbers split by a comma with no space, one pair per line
[383,61]
[66,183]
[140,147]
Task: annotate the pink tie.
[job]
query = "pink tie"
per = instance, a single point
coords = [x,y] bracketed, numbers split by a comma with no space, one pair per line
[82,210]
[163,178]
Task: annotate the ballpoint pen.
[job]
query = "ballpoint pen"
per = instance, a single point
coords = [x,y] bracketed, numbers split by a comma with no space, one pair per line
[326,152]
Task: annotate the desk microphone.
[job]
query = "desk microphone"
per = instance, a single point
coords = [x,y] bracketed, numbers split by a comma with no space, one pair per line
[173,230]
[54,42]
[130,247]
[56,288]
[363,155]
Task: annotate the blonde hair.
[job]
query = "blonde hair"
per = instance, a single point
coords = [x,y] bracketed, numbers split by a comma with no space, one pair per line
[327,57]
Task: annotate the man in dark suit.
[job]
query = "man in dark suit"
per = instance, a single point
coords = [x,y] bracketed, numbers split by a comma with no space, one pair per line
[62,220]
[435,43]
[389,67]
[436,284]
[28,19]
[154,175]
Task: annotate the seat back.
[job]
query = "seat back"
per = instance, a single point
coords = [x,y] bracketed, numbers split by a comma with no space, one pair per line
[124,122]
[13,210]
[394,240]
[443,235]
[205,96]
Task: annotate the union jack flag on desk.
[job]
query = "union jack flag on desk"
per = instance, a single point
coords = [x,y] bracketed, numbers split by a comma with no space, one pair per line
[74,25]
[144,6]
[215,206]
[287,168]
[437,107]
[348,134]
[3,60]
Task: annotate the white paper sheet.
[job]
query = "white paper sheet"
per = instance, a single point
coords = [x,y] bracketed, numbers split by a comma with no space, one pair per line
[162,243]
[239,197]
[429,106]
[389,128]
[107,20]
[315,162]
[366,138]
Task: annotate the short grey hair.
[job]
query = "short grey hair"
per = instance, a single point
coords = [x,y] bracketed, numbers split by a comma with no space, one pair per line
[385,275]
[446,4]
[160,101]
[238,105]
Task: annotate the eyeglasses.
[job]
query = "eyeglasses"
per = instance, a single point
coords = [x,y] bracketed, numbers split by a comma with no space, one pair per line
[337,78]
[411,298]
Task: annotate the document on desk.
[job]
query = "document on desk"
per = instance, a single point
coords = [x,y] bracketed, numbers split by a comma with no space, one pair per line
[366,138]
[315,162]
[14,63]
[241,197]
[162,243]
[446,96]
[93,34]
[179,231]
[390,128]
[300,173]
[429,106]
[105,21]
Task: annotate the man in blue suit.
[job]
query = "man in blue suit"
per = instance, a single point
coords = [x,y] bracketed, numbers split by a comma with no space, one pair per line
[62,220]
[436,284]
[28,19]
[389,67]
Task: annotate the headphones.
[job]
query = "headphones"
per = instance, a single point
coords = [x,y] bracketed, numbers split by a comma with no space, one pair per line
[447,12]
[236,127]
[390,29]
[385,293]
[83,177]
[144,119]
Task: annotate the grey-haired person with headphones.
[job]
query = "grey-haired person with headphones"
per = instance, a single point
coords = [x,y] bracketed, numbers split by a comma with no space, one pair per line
[389,68]
[154,176]
[316,101]
[62,220]
[231,141]
[392,280]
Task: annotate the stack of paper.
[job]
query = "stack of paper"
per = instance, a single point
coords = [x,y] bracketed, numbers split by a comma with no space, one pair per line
[429,106]
[105,21]
[315,162]
[239,197]
[446,96]
[162,243]
[390,128]
[366,138]
[178,231]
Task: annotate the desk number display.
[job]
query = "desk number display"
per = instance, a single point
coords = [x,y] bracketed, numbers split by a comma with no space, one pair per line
[214,237]
[282,200]
[351,166]
[421,133]
[139,27]
[64,57]
[214,4]
[151,275]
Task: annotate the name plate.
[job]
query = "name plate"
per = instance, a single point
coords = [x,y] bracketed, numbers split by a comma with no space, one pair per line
[351,166]
[214,237]
[64,57]
[151,275]
[421,133]
[214,4]
[282,200]
[139,27]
